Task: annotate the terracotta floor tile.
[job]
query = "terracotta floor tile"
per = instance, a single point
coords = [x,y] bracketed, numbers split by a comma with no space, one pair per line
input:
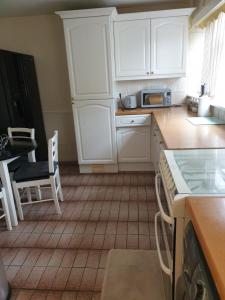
[132,227]
[59,228]
[25,295]
[88,280]
[86,241]
[122,228]
[54,296]
[56,258]
[80,228]
[90,228]
[99,280]
[84,296]
[93,259]
[65,240]
[9,256]
[47,278]
[144,228]
[103,258]
[101,228]
[20,257]
[61,278]
[43,239]
[53,241]
[121,242]
[32,257]
[132,241]
[70,227]
[39,295]
[69,296]
[75,241]
[111,227]
[20,279]
[74,279]
[96,296]
[98,241]
[81,259]
[109,241]
[44,257]
[144,242]
[34,277]
[11,272]
[69,258]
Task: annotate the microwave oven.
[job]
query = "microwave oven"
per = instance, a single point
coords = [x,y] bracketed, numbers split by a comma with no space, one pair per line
[155,97]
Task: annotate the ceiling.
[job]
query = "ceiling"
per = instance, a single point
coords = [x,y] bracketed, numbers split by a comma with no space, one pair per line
[10,8]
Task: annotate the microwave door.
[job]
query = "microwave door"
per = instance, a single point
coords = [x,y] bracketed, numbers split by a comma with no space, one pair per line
[153,99]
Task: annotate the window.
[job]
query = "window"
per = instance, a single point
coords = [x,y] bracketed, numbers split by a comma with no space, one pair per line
[213,73]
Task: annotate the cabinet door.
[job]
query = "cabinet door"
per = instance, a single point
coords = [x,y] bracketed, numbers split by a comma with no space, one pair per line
[88,45]
[95,131]
[132,49]
[168,46]
[133,144]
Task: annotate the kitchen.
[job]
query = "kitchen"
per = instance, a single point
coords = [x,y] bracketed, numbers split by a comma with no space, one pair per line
[117,57]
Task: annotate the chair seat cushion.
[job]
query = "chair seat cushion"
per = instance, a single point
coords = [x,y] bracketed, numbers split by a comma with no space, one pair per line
[33,171]
[17,163]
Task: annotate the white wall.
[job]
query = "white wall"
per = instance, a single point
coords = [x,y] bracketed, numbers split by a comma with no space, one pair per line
[42,37]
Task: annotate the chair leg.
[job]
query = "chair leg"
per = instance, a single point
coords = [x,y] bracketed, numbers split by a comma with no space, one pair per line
[6,211]
[54,194]
[28,192]
[38,193]
[59,185]
[18,200]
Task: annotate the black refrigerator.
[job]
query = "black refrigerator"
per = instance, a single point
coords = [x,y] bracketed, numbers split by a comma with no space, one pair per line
[20,104]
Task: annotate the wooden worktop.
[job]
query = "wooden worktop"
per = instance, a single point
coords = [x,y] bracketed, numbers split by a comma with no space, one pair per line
[178,133]
[208,218]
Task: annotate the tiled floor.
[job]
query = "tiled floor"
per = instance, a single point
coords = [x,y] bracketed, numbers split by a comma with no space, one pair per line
[63,257]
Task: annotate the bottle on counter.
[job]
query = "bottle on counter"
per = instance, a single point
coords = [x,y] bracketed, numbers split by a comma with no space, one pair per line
[203,103]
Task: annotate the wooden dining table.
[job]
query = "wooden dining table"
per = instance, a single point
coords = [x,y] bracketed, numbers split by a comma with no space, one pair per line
[15,148]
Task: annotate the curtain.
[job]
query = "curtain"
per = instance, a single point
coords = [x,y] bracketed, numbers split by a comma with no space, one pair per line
[214,56]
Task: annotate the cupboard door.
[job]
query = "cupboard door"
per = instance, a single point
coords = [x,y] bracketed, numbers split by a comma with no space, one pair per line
[132,49]
[133,144]
[88,46]
[95,131]
[168,46]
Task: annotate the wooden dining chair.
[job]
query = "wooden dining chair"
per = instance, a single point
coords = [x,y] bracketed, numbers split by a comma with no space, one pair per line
[41,173]
[5,208]
[23,133]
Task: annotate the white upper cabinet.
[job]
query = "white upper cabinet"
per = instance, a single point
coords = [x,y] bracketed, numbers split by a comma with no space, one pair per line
[168,46]
[88,46]
[132,49]
[95,131]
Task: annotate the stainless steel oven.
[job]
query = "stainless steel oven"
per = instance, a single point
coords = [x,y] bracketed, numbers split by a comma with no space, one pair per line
[155,97]
[165,237]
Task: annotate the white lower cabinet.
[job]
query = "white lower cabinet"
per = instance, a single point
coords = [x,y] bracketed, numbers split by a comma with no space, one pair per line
[133,144]
[95,131]
[133,139]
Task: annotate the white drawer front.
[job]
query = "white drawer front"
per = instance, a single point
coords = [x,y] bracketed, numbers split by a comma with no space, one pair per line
[133,120]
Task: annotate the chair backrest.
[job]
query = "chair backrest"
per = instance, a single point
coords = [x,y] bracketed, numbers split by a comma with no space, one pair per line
[16,132]
[53,151]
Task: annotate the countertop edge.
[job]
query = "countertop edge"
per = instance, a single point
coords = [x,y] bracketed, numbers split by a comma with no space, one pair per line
[209,256]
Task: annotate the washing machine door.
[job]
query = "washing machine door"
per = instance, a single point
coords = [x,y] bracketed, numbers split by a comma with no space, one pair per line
[4,286]
[183,289]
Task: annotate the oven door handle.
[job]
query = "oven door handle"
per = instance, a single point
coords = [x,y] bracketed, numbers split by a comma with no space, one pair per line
[165,269]
[166,218]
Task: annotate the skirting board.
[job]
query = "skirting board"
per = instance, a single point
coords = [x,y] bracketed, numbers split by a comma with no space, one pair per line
[135,167]
[98,168]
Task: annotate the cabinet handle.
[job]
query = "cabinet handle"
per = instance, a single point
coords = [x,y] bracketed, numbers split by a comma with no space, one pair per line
[147,73]
[152,72]
[132,121]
